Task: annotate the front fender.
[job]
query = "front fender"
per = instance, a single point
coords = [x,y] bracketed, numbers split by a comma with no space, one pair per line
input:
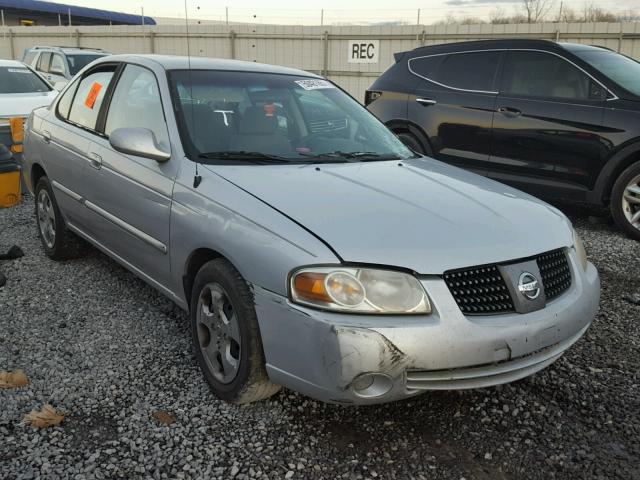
[261,243]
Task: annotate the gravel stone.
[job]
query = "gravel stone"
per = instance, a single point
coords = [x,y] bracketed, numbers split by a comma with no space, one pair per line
[125,352]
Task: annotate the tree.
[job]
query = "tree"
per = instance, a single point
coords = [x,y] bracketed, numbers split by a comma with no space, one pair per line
[536,10]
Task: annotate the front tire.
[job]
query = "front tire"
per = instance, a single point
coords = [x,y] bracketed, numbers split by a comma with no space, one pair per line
[58,242]
[226,335]
[411,141]
[625,201]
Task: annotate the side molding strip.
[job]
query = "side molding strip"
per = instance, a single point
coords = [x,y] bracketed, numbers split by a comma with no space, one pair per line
[125,226]
[66,191]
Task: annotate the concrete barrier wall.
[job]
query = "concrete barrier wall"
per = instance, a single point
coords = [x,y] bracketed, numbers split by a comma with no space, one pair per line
[318,49]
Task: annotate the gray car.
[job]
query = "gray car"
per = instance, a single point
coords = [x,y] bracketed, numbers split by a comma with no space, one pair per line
[311,248]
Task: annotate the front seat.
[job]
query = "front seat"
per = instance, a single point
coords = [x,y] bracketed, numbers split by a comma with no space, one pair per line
[258,132]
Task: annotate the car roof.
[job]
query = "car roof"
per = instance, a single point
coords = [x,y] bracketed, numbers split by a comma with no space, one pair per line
[177,62]
[68,50]
[579,47]
[11,63]
[491,44]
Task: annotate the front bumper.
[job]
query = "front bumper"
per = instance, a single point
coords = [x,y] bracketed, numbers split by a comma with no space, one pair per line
[328,356]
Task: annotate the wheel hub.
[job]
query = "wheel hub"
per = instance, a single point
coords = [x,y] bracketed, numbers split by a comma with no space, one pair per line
[631,202]
[218,333]
[46,218]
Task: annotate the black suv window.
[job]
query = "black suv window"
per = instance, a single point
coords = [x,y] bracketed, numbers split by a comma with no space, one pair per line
[88,99]
[539,74]
[426,67]
[469,71]
[466,71]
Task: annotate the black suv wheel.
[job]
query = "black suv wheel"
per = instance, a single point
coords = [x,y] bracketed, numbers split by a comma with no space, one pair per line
[625,201]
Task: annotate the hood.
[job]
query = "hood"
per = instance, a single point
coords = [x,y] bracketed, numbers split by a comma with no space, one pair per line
[21,104]
[425,216]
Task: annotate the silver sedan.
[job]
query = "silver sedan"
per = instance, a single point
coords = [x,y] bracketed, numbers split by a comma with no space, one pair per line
[310,247]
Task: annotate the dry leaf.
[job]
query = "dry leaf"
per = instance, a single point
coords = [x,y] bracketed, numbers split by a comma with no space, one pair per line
[163,417]
[47,417]
[15,379]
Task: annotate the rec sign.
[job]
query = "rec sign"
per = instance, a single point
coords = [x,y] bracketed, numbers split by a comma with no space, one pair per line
[363,51]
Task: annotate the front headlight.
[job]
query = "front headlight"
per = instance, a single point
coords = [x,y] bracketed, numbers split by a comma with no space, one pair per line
[580,251]
[361,290]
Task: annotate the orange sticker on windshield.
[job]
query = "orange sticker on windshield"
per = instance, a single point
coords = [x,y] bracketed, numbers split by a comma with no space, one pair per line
[92,95]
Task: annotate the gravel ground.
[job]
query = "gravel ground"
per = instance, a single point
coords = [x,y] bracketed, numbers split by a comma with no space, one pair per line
[107,350]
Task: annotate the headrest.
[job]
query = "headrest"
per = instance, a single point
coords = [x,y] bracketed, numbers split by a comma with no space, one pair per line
[256,121]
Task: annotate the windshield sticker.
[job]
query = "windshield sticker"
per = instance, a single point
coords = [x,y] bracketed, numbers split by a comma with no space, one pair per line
[314,84]
[18,70]
[92,95]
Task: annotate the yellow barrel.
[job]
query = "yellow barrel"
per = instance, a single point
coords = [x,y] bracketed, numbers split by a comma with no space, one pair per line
[9,179]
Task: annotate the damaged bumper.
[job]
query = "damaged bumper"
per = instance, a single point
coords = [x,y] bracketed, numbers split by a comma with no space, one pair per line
[361,359]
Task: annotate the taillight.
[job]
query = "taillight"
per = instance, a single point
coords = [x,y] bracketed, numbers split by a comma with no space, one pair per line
[17,133]
[370,96]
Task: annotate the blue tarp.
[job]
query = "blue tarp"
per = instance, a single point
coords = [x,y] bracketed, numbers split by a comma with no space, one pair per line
[62,9]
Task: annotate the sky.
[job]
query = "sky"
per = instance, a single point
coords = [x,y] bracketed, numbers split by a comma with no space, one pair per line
[335,11]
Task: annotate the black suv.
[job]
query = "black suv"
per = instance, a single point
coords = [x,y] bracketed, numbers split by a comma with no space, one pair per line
[559,120]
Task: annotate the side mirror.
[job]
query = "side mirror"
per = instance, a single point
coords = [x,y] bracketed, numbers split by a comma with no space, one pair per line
[56,71]
[59,85]
[137,141]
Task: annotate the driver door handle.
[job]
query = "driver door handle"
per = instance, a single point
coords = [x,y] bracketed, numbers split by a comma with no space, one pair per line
[509,111]
[425,101]
[95,160]
[46,136]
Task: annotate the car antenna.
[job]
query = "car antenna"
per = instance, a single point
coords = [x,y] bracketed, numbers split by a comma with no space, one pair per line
[197,179]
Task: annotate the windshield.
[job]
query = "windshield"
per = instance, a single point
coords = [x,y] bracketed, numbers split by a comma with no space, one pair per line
[78,61]
[21,80]
[225,115]
[622,70]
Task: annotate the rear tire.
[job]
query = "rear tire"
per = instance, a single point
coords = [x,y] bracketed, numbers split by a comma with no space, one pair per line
[58,242]
[625,201]
[226,335]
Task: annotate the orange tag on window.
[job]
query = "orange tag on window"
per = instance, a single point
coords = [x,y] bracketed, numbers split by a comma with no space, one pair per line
[92,95]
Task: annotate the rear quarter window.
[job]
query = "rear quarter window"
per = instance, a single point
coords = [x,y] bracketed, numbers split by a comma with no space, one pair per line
[473,71]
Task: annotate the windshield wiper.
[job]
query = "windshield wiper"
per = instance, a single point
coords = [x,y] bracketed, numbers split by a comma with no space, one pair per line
[242,155]
[359,156]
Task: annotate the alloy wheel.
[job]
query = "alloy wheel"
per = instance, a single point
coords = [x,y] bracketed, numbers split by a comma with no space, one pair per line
[46,218]
[218,332]
[631,202]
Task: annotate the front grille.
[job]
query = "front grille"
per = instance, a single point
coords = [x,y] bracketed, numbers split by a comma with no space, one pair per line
[479,290]
[555,272]
[482,290]
[327,126]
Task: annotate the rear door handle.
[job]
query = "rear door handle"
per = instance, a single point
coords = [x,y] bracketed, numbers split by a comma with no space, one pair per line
[46,136]
[95,160]
[425,101]
[509,111]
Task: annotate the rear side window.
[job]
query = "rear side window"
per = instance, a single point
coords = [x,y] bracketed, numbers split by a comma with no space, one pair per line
[136,103]
[88,99]
[539,74]
[469,71]
[465,71]
[426,67]
[28,57]
[57,64]
[43,62]
[65,101]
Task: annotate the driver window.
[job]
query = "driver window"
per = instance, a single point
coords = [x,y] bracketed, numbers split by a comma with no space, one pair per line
[538,74]
[136,103]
